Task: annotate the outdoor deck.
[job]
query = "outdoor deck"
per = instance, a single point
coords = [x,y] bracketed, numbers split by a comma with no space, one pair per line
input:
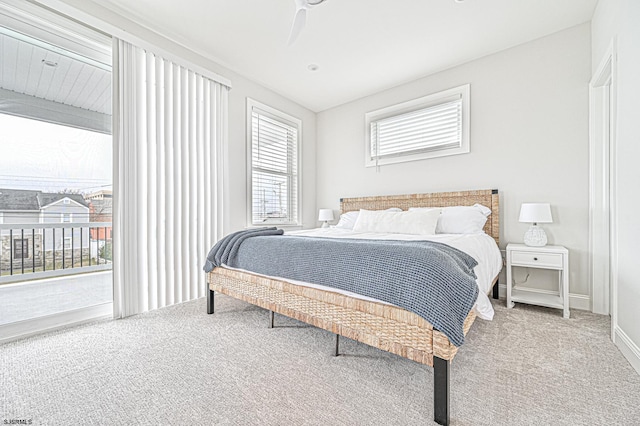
[30,299]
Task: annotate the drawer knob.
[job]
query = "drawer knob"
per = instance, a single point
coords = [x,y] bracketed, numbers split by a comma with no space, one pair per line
[535,258]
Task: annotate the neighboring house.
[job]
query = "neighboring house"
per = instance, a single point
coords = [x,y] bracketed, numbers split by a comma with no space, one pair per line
[100,210]
[64,208]
[99,195]
[27,209]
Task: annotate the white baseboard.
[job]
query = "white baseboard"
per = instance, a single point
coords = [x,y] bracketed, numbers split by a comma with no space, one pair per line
[576,301]
[579,301]
[21,329]
[629,349]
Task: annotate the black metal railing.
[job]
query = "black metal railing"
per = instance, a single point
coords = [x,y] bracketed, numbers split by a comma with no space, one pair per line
[39,250]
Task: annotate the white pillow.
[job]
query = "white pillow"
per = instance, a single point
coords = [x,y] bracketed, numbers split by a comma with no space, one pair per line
[417,222]
[461,219]
[348,220]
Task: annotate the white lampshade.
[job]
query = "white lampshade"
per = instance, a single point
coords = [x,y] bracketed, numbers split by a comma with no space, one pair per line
[535,213]
[325,214]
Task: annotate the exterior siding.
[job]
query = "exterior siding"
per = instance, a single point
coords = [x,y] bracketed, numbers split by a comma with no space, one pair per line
[53,213]
[10,217]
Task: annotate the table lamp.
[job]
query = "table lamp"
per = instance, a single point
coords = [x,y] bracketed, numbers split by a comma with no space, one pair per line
[535,213]
[325,216]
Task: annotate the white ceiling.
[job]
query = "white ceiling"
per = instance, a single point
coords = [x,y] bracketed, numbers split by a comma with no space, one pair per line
[70,82]
[360,46]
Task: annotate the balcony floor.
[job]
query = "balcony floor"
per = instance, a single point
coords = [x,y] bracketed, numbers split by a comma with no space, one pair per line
[32,299]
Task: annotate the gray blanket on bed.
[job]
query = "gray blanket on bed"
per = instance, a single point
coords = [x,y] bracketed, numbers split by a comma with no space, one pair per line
[431,279]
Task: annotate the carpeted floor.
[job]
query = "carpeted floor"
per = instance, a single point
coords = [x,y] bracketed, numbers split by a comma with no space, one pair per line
[180,366]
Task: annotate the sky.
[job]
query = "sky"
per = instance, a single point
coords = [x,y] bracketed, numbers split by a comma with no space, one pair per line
[50,157]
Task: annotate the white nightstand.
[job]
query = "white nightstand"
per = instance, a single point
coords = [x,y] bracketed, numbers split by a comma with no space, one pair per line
[547,257]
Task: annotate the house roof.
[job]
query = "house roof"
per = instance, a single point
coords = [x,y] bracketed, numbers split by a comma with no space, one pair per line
[27,200]
[47,198]
[18,199]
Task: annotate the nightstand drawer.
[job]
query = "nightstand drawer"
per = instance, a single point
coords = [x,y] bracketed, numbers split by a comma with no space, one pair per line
[543,260]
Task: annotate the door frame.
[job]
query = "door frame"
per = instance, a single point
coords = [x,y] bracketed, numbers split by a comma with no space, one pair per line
[602,186]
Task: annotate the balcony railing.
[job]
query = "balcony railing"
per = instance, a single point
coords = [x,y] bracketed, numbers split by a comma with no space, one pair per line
[31,251]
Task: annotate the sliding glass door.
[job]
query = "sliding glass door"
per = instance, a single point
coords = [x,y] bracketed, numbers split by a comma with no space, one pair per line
[55,171]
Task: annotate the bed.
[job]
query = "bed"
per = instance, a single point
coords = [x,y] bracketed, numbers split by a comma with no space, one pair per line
[373,322]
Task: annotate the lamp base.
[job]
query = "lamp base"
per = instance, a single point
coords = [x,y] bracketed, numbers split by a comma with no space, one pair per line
[325,224]
[535,236]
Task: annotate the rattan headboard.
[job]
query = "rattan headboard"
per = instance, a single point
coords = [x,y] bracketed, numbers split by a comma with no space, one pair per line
[487,197]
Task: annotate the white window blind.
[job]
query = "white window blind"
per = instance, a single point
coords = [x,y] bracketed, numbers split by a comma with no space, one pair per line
[431,126]
[428,129]
[274,167]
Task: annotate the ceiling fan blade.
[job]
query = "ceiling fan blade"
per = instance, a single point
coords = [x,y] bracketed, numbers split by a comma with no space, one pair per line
[299,21]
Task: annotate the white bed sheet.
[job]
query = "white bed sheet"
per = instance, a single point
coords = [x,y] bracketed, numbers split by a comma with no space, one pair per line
[480,246]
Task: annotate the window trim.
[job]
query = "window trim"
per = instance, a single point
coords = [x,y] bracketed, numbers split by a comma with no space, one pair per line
[24,244]
[252,103]
[460,92]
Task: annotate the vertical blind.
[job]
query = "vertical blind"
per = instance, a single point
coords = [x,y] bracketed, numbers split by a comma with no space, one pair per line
[428,129]
[274,169]
[170,129]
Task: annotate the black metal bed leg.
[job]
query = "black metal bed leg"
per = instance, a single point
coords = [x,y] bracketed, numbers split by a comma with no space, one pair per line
[337,351]
[440,391]
[496,291]
[270,319]
[210,300]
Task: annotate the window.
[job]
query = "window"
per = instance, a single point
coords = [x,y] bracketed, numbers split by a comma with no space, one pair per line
[273,155]
[20,248]
[427,127]
[66,201]
[67,243]
[66,217]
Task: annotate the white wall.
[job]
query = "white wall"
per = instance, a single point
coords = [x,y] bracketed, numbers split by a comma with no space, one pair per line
[529,139]
[235,173]
[620,19]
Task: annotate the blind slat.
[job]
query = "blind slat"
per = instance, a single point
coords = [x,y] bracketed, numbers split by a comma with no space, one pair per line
[426,131]
[417,141]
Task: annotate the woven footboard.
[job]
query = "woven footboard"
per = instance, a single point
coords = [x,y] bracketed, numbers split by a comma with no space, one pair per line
[383,326]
